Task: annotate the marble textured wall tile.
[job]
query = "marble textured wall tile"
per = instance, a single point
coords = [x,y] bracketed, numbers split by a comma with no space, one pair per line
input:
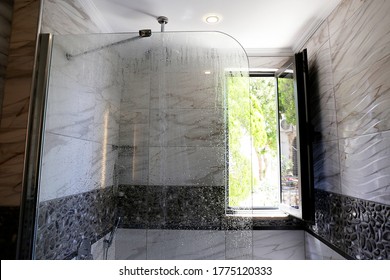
[133,165]
[130,244]
[186,90]
[316,250]
[362,85]
[327,166]
[187,128]
[97,249]
[185,245]
[69,17]
[6,8]
[365,167]
[20,64]
[203,166]
[155,244]
[5,25]
[136,92]
[278,245]
[84,97]
[356,89]
[11,169]
[134,127]
[239,244]
[83,166]
[342,14]
[15,103]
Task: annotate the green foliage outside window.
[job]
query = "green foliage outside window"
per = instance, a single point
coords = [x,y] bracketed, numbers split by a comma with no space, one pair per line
[252,113]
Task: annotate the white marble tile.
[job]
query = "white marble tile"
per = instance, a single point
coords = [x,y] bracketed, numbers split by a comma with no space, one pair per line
[136,91]
[82,102]
[102,170]
[239,244]
[134,128]
[187,128]
[365,167]
[326,166]
[133,165]
[70,112]
[130,244]
[316,250]
[361,67]
[183,90]
[75,63]
[278,245]
[185,245]
[63,17]
[97,249]
[72,166]
[204,166]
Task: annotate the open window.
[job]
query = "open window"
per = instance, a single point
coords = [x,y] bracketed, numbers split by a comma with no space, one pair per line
[269,142]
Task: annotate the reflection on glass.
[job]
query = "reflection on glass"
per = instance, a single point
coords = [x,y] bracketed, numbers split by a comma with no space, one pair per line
[288,141]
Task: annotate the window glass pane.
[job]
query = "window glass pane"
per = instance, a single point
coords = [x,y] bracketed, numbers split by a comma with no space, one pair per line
[253,149]
[239,143]
[288,141]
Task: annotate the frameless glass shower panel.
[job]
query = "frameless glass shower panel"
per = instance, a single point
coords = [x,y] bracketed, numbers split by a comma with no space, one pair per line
[137,129]
[81,134]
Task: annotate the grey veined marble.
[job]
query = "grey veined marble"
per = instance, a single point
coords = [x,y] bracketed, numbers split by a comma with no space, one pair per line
[361,71]
[316,250]
[278,245]
[365,167]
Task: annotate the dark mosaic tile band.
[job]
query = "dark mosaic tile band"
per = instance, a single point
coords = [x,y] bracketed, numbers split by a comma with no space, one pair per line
[186,207]
[64,222]
[171,207]
[360,228]
[9,218]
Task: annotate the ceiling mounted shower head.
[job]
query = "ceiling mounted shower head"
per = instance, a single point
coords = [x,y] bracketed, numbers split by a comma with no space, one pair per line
[163,21]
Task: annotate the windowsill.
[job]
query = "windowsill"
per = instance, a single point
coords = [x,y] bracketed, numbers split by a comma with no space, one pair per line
[260,214]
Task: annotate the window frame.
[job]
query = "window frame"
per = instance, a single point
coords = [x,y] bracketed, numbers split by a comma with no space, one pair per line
[304,143]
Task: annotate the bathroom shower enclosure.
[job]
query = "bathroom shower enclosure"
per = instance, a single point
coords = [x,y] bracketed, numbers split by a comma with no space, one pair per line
[130,131]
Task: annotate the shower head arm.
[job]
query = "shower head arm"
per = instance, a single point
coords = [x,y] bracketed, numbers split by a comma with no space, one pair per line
[163,20]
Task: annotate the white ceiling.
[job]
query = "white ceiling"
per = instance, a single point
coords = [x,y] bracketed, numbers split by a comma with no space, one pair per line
[261,26]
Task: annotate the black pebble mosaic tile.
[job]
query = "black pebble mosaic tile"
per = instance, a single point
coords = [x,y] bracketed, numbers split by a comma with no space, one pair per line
[360,228]
[171,207]
[186,207]
[64,222]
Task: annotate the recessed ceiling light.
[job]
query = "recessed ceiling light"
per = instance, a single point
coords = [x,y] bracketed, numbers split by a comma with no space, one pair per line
[207,72]
[212,18]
